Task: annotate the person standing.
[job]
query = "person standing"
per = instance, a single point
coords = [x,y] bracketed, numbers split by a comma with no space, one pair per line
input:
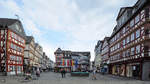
[103,71]
[63,72]
[94,74]
[38,72]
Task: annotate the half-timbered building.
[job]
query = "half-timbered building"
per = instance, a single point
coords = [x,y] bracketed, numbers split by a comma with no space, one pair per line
[105,54]
[29,54]
[72,60]
[130,42]
[12,44]
[97,51]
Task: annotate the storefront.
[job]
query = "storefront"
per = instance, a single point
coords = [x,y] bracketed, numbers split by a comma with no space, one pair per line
[114,70]
[133,70]
[128,70]
[122,70]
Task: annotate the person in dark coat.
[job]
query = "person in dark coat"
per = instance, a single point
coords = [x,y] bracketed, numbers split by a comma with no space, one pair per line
[63,73]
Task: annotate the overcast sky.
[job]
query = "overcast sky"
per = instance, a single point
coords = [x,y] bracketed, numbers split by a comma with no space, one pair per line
[74,25]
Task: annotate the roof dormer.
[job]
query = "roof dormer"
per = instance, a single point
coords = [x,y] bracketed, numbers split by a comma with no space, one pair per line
[124,14]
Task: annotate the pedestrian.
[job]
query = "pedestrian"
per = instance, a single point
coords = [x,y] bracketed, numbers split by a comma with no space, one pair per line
[38,72]
[94,74]
[28,76]
[103,71]
[62,73]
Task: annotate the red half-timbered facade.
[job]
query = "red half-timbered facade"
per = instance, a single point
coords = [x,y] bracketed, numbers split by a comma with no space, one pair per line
[130,42]
[12,39]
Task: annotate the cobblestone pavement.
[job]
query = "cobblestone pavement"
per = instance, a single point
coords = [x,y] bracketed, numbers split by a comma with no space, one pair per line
[55,78]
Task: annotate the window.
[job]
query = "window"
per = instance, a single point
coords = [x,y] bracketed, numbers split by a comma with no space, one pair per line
[128,39]
[12,46]
[18,68]
[18,38]
[146,51]
[146,12]
[146,31]
[137,18]
[15,36]
[146,48]
[124,42]
[137,33]
[123,54]
[132,36]
[142,14]
[23,41]
[132,23]
[118,56]
[132,51]
[11,57]
[128,52]
[118,35]
[15,47]
[118,45]
[124,30]
[115,38]
[12,34]
[10,68]
[14,68]
[137,49]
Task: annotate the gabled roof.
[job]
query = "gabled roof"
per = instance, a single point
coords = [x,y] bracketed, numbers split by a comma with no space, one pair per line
[29,39]
[6,23]
[36,45]
[122,10]
[78,53]
[58,50]
[98,43]
[106,38]
[136,8]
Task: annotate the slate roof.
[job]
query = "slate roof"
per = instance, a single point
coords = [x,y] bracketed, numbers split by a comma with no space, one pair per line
[29,39]
[138,6]
[9,23]
[6,21]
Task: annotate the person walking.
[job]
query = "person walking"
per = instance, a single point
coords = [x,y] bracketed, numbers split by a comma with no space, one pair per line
[94,74]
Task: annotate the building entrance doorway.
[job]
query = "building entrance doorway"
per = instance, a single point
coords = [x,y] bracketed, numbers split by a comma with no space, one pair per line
[136,71]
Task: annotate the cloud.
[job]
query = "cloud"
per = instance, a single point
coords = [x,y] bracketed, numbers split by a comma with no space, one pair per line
[83,22]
